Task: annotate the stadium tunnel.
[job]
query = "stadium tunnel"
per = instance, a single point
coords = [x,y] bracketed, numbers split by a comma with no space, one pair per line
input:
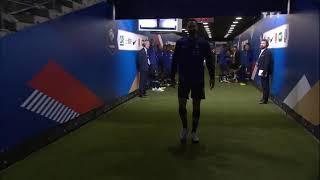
[69,105]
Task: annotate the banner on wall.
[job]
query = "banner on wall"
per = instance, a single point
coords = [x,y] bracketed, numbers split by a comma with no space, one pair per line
[130,41]
[278,37]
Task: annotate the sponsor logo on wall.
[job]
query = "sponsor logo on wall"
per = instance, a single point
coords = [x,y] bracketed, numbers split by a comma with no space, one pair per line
[278,37]
[111,37]
[130,41]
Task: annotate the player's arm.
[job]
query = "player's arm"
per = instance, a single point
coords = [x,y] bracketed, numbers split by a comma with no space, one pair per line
[174,64]
[210,65]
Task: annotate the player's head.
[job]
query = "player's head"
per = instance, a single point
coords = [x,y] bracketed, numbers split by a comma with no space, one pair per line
[264,44]
[146,44]
[192,27]
[234,48]
[247,46]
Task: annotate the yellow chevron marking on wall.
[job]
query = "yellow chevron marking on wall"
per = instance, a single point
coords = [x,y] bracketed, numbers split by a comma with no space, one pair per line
[308,106]
[135,83]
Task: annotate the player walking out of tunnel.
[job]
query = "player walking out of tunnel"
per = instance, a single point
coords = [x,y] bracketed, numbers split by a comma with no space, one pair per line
[188,61]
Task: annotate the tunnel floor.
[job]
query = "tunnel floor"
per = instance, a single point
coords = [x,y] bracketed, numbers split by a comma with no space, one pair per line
[239,139]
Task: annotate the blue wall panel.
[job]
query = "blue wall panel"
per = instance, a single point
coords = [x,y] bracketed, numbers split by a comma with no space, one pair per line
[76,42]
[300,58]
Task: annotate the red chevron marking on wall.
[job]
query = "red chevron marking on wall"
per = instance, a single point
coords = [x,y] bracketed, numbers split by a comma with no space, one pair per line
[55,82]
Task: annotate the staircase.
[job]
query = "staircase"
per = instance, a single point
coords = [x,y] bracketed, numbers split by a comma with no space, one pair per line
[16,15]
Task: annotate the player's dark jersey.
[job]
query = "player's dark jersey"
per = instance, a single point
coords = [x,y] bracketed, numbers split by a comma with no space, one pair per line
[188,60]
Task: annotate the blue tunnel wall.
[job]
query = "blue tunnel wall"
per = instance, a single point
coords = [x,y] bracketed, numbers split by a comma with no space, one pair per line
[295,80]
[54,72]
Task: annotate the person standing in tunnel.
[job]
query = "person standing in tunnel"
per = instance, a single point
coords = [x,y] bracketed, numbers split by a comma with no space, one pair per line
[246,64]
[143,66]
[265,64]
[188,61]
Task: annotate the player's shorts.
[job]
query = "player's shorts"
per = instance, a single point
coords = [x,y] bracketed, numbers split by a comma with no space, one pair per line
[197,92]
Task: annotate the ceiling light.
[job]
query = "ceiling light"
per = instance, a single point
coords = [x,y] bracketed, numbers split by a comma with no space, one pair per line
[238,18]
[205,23]
[183,29]
[206,26]
[233,25]
[235,22]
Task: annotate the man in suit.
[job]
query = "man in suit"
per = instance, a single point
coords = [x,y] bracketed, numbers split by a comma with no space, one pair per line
[143,66]
[265,65]
[188,61]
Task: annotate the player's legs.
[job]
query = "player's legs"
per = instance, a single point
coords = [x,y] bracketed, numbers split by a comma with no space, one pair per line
[183,112]
[183,95]
[197,93]
[195,114]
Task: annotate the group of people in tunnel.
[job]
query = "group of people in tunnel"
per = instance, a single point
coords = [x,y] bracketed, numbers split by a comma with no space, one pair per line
[235,65]
[154,65]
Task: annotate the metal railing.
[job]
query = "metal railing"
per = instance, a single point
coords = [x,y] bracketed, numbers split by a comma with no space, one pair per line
[13,12]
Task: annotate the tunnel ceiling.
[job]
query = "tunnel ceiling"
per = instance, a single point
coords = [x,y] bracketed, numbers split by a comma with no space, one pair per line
[137,9]
[224,12]
[221,24]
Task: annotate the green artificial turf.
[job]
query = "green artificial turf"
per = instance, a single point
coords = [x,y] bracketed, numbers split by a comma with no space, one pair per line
[239,140]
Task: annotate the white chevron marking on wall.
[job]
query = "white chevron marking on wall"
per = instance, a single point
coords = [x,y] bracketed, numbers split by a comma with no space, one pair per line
[298,92]
[48,107]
